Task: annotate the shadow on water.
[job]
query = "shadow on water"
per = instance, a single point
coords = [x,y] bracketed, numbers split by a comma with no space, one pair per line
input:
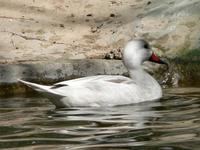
[171,123]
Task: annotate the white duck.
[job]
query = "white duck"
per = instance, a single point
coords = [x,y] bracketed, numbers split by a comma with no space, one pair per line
[108,90]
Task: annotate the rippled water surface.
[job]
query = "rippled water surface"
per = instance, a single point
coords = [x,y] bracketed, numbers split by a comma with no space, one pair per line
[172,123]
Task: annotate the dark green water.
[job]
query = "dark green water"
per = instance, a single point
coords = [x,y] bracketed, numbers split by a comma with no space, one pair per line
[172,123]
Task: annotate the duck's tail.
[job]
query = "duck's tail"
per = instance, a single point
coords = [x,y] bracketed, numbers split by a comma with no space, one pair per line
[37,87]
[53,95]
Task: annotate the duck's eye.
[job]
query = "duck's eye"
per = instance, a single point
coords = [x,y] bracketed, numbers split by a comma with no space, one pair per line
[146,46]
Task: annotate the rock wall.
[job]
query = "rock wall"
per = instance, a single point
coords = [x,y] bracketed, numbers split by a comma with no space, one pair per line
[39,37]
[39,30]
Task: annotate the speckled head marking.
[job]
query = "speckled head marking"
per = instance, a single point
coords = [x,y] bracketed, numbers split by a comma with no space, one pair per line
[138,51]
[144,44]
[135,53]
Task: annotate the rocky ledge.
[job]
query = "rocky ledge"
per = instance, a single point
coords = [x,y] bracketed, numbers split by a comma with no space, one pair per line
[180,73]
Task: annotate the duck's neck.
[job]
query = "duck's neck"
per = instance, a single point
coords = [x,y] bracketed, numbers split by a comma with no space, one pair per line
[146,84]
[141,77]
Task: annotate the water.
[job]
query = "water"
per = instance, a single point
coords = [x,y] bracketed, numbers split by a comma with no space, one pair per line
[172,123]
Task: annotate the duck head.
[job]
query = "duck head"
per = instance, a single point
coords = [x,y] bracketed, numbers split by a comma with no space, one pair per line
[138,51]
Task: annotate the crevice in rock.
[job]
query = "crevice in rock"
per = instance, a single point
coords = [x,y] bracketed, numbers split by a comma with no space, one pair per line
[31,38]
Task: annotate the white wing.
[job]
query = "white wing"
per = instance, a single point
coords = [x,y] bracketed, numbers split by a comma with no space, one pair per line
[97,91]
[106,78]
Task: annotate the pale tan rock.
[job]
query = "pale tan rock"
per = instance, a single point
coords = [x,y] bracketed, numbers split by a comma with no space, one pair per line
[39,30]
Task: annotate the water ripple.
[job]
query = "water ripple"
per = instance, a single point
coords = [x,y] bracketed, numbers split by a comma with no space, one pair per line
[172,123]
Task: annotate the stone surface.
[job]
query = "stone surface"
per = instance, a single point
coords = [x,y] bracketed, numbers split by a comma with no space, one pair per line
[51,72]
[48,71]
[39,30]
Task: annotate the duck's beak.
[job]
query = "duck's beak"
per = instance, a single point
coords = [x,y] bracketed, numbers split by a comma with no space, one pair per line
[156,59]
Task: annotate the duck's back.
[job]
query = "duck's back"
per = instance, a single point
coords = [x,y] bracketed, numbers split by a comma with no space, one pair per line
[100,91]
